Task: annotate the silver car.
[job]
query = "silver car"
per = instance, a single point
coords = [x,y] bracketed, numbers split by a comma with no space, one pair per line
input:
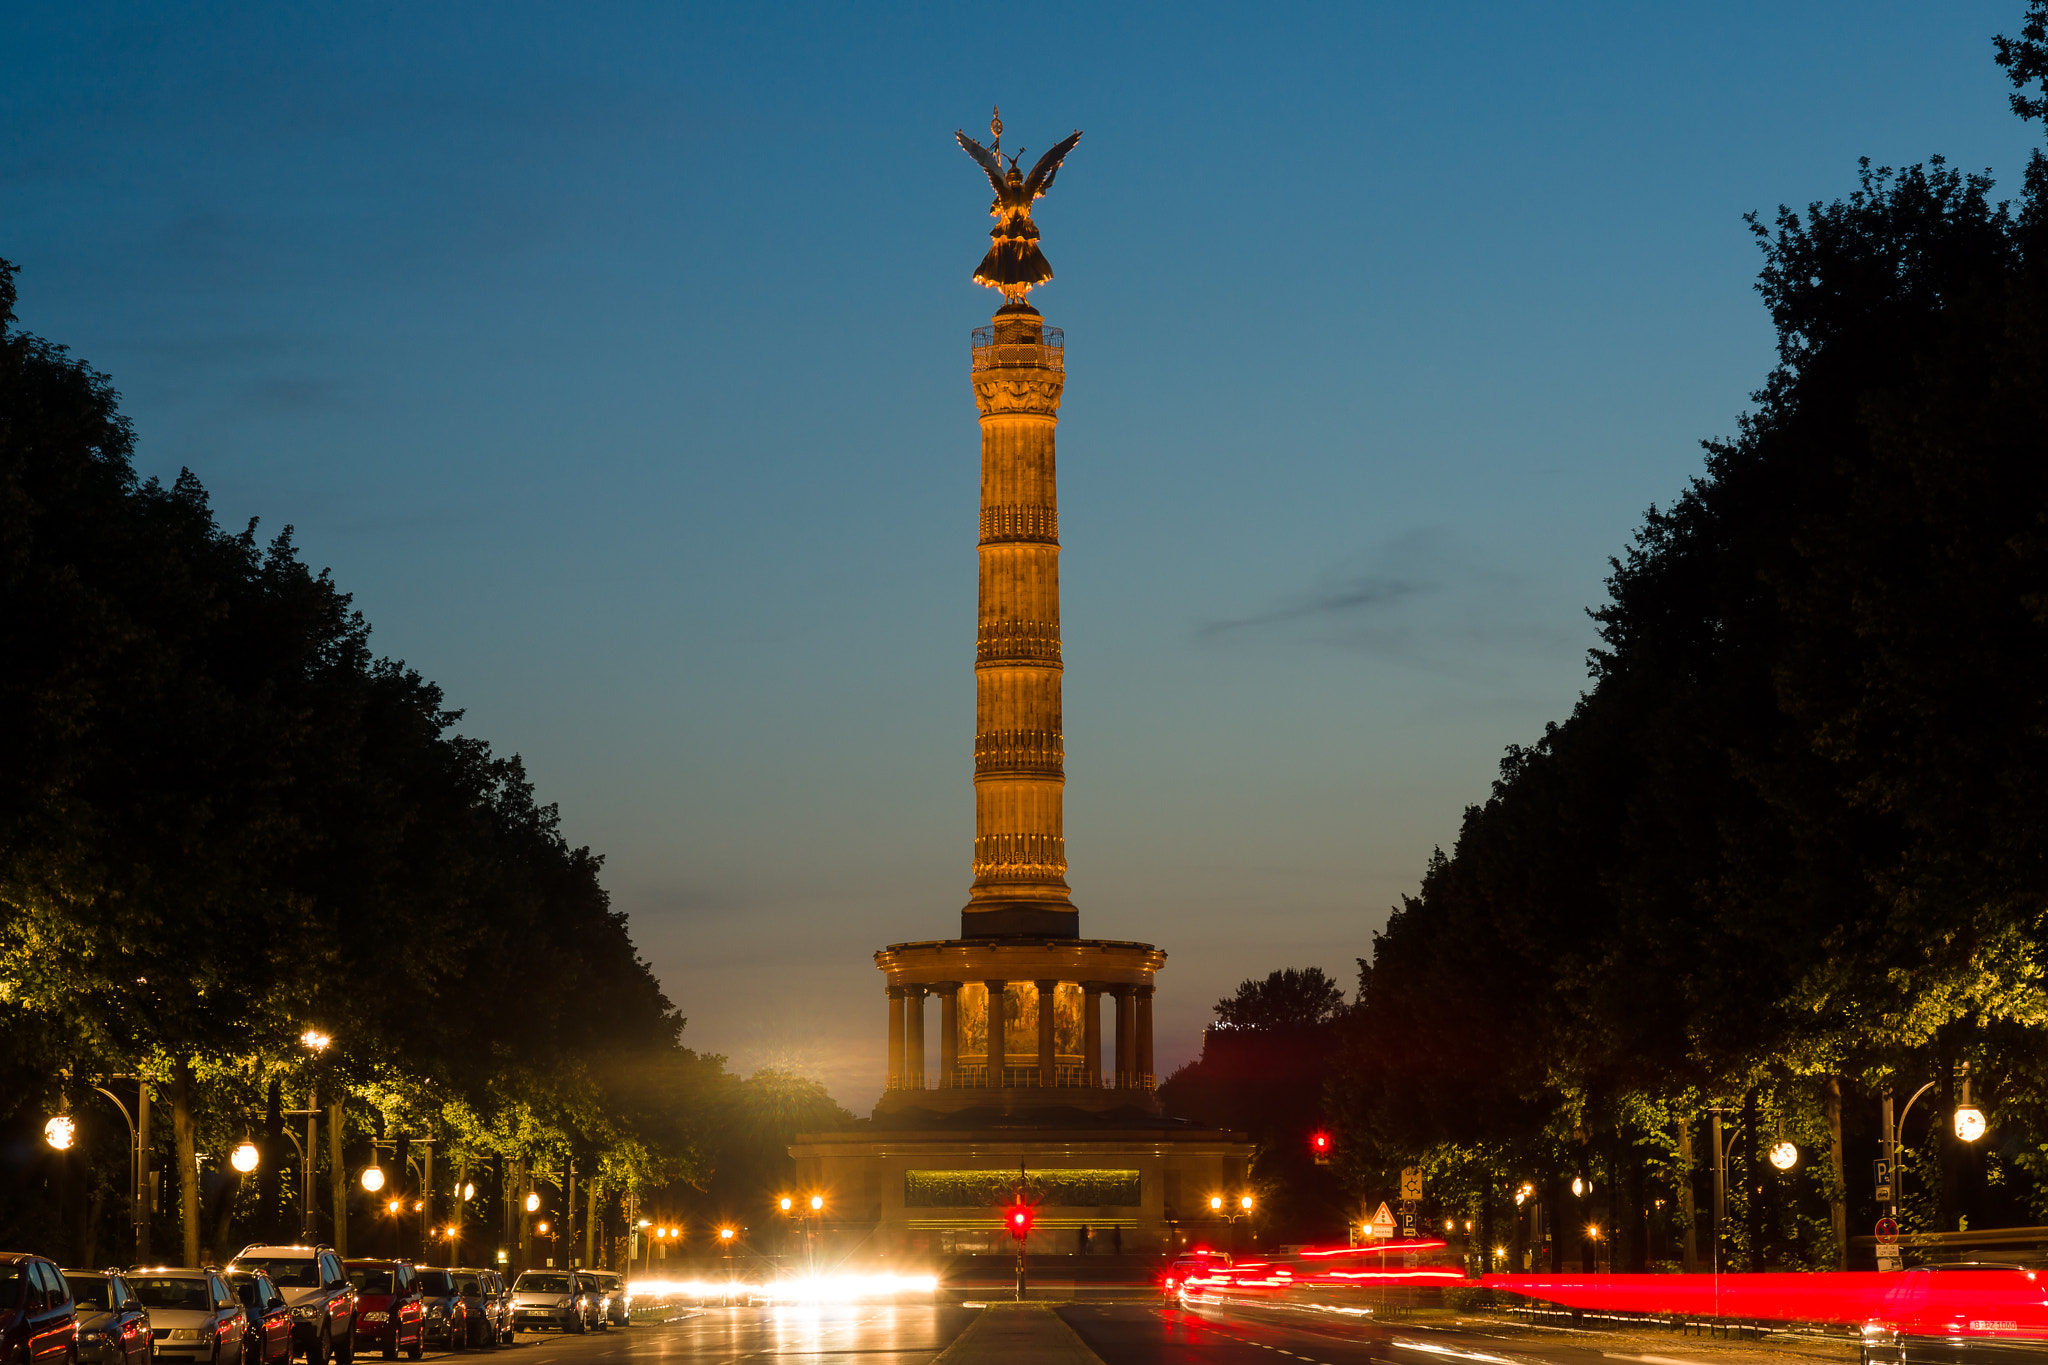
[193,1315]
[560,1299]
[113,1326]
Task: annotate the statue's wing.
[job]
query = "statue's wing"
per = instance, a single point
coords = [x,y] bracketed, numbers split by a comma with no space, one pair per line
[989,161]
[1040,179]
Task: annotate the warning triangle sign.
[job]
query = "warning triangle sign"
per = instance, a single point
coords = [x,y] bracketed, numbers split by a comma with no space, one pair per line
[1383,1221]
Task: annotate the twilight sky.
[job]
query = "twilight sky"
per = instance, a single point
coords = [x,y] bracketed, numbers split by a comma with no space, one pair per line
[615,357]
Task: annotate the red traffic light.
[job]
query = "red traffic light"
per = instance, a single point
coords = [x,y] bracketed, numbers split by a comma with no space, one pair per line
[1019,1221]
[1320,1142]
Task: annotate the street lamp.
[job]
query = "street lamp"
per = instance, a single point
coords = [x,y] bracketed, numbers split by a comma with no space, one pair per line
[533,1202]
[817,1203]
[373,1178]
[468,1191]
[60,1132]
[245,1157]
[1969,1123]
[314,1040]
[1784,1155]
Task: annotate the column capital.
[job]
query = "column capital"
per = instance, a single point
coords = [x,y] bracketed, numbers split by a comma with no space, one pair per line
[1095,987]
[913,990]
[1144,992]
[944,988]
[896,992]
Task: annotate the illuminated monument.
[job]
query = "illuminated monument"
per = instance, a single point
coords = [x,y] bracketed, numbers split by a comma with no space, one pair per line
[1024,1075]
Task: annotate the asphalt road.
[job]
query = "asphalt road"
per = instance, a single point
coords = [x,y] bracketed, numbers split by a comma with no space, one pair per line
[856,1334]
[1148,1332]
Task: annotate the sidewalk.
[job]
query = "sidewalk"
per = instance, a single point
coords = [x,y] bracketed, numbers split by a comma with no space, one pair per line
[1018,1334]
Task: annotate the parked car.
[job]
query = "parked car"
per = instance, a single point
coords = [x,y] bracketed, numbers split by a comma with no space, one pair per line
[444,1316]
[322,1301]
[618,1297]
[1960,1313]
[500,1290]
[474,1289]
[387,1307]
[38,1319]
[193,1315]
[266,1319]
[113,1326]
[560,1299]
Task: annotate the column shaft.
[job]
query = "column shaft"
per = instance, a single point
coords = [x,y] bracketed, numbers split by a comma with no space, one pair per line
[949,1034]
[895,1037]
[1048,1006]
[913,1036]
[1125,1018]
[997,1026]
[1144,994]
[1091,1032]
[1020,855]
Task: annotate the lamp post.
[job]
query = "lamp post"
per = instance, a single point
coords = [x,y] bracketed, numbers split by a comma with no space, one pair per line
[1242,1209]
[139,1188]
[1969,1124]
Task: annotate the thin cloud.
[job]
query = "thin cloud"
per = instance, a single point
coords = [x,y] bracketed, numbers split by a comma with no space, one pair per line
[1343,598]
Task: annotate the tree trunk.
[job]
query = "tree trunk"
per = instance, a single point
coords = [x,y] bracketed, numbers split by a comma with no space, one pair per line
[1486,1190]
[1752,1181]
[1947,1206]
[1686,1211]
[185,1131]
[1838,1192]
[270,1177]
[590,1229]
[1559,1224]
[337,1177]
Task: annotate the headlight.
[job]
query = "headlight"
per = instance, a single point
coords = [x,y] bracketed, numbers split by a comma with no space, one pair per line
[184,1334]
[304,1311]
[376,1317]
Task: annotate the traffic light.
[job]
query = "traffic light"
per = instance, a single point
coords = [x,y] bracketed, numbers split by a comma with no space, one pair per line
[1319,1146]
[1018,1220]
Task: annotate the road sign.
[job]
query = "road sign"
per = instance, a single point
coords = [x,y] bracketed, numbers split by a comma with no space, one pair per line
[1884,1182]
[1411,1182]
[1382,1223]
[1887,1230]
[1888,1256]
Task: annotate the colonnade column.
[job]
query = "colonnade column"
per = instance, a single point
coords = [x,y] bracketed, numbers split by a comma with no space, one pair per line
[913,1036]
[997,1027]
[1125,1017]
[1091,1033]
[949,1033]
[1144,994]
[895,1037]
[1048,1007]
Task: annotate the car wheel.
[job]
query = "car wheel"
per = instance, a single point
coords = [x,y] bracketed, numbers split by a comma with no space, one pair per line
[316,1349]
[419,1346]
[344,1351]
[391,1345]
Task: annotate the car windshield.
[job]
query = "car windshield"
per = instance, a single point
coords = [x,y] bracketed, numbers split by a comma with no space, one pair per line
[286,1272]
[544,1284]
[173,1292]
[90,1289]
[435,1282]
[370,1279]
[467,1284]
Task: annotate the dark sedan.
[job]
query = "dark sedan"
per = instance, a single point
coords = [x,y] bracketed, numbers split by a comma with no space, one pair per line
[113,1325]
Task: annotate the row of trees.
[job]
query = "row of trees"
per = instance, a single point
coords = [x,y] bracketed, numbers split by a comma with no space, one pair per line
[225,824]
[1787,854]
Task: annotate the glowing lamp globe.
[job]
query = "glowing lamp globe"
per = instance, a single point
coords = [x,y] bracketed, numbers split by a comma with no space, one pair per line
[469,1191]
[1969,1123]
[1578,1187]
[60,1132]
[245,1157]
[533,1203]
[1245,1203]
[1784,1156]
[1215,1201]
[817,1202]
[541,1228]
[314,1040]
[725,1234]
[787,1203]
[373,1178]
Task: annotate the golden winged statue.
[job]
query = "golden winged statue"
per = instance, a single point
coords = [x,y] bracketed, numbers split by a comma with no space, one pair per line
[1014,263]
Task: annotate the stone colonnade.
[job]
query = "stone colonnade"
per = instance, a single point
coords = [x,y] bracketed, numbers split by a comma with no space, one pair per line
[1130,1064]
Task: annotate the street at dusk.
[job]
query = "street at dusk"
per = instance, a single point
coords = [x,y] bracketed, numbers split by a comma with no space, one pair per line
[1054,685]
